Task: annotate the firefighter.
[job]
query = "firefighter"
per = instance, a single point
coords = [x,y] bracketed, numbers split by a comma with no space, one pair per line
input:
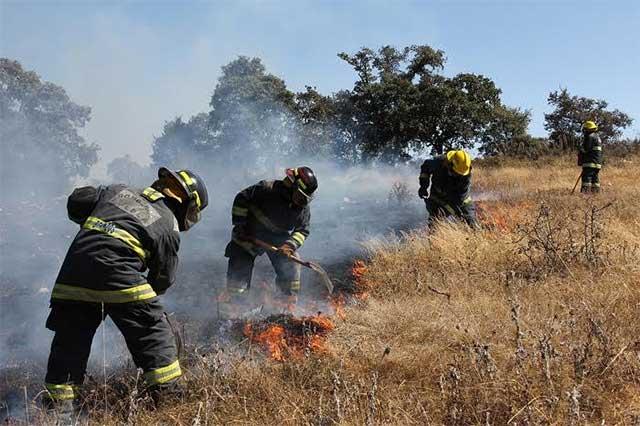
[590,157]
[276,212]
[124,231]
[450,179]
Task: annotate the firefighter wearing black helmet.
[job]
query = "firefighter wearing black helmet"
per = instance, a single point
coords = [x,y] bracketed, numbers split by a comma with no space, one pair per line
[124,232]
[277,212]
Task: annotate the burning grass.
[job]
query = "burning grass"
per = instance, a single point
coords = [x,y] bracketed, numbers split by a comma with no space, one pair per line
[533,320]
[287,337]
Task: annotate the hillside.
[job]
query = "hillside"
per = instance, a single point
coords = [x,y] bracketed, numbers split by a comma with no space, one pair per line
[532,320]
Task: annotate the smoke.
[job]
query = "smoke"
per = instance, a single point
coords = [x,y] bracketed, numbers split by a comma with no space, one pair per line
[352,205]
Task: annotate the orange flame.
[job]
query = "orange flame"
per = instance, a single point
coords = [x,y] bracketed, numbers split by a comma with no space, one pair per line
[290,337]
[503,216]
[362,285]
[272,338]
[338,302]
[286,337]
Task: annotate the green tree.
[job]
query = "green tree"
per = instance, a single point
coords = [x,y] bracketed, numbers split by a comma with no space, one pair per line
[316,129]
[456,112]
[252,115]
[182,144]
[126,170]
[565,121]
[384,100]
[402,104]
[39,133]
[507,135]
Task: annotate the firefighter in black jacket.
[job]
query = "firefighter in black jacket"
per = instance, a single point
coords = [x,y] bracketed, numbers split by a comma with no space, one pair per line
[124,231]
[278,213]
[450,179]
[590,157]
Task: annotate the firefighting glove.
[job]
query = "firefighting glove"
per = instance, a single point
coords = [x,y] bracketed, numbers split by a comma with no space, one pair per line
[287,249]
[423,192]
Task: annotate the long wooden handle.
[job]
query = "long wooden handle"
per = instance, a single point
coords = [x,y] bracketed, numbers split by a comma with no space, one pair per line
[275,249]
[578,180]
[264,245]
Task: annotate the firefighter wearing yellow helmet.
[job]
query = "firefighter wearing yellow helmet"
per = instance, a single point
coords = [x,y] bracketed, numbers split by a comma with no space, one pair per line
[449,177]
[590,157]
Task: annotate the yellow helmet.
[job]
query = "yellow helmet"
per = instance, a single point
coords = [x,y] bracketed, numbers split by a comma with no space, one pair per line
[589,126]
[460,162]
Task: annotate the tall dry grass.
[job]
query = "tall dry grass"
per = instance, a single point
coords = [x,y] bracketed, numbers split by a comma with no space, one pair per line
[534,320]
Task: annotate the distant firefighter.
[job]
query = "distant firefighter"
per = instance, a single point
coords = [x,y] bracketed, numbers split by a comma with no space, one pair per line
[450,178]
[276,212]
[590,157]
[124,231]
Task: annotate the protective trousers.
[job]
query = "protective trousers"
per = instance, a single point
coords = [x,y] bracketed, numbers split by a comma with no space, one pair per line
[143,325]
[590,180]
[240,270]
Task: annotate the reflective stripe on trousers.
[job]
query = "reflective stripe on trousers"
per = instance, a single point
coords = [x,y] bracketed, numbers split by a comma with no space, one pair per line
[80,294]
[60,392]
[163,374]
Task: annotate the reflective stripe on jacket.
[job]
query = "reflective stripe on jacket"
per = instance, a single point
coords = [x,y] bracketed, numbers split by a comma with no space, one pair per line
[81,294]
[591,154]
[266,211]
[124,232]
[97,224]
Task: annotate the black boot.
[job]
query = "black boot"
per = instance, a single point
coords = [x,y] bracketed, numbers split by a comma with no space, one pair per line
[166,393]
[63,410]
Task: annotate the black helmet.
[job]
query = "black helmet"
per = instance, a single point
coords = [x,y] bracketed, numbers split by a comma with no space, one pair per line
[303,182]
[194,186]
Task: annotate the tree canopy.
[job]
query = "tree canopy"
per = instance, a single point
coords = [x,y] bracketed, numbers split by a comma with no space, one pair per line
[182,144]
[401,105]
[39,130]
[565,121]
[251,114]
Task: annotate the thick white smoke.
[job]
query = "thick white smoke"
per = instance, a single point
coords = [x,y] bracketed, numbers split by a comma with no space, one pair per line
[352,205]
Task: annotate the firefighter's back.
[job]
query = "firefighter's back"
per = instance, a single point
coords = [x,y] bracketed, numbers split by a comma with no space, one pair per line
[118,236]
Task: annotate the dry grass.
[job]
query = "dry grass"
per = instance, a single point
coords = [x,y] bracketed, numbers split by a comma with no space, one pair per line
[534,320]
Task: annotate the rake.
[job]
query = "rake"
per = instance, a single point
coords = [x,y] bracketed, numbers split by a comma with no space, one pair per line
[307,264]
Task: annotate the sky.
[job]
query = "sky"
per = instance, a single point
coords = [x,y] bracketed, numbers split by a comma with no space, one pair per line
[141,63]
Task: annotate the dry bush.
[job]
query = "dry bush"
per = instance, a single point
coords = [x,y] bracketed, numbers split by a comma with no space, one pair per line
[532,323]
[534,326]
[399,194]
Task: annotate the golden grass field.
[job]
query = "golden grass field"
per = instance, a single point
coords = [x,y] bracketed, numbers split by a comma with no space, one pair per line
[533,320]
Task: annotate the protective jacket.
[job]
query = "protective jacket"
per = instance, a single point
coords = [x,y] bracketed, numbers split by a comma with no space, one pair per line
[449,191]
[124,231]
[590,154]
[266,211]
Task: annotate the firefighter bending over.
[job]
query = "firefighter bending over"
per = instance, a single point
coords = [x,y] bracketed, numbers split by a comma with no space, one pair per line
[124,231]
[276,212]
[590,157]
[450,179]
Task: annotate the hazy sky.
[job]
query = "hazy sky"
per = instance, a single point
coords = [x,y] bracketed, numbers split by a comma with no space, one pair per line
[140,63]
